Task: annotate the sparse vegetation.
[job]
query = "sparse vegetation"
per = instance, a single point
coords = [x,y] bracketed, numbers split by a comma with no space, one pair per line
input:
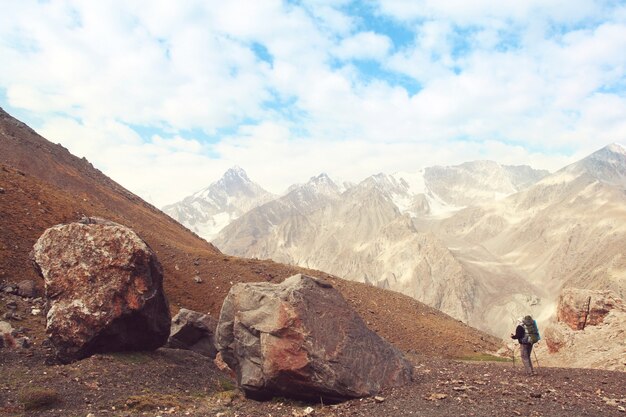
[226,384]
[485,357]
[131,357]
[152,401]
[37,398]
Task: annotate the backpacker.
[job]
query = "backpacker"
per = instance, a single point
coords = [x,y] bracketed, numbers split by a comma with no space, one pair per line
[531,331]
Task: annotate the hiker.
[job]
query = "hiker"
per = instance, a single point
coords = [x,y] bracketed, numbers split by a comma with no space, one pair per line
[526,334]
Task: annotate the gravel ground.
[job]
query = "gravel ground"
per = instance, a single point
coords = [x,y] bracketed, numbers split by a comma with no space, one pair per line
[182,383]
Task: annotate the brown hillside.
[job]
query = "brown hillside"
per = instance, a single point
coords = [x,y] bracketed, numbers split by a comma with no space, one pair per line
[45,185]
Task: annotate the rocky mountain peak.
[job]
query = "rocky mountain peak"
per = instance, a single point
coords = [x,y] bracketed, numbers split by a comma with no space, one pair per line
[322,184]
[234,176]
[607,165]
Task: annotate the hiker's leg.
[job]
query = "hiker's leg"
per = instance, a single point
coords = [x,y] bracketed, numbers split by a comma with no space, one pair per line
[525,354]
[530,358]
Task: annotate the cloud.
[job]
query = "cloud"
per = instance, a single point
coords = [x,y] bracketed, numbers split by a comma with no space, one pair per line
[363,45]
[182,93]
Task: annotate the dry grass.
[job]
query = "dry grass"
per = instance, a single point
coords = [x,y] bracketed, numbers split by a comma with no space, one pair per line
[153,401]
[37,398]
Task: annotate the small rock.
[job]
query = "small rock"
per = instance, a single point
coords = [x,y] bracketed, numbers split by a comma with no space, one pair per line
[23,342]
[535,394]
[437,396]
[8,289]
[5,327]
[622,409]
[35,311]
[11,305]
[91,415]
[1,190]
[27,288]
[197,279]
[302,413]
[11,315]
[379,399]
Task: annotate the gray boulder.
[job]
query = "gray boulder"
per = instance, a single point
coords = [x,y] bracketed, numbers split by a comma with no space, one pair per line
[301,339]
[104,289]
[193,331]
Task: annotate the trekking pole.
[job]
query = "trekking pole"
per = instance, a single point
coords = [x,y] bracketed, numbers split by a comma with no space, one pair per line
[536,360]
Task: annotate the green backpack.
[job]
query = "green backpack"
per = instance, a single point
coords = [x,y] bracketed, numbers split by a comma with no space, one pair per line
[532,331]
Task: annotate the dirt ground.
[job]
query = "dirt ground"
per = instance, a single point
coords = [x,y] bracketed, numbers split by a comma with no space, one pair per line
[171,382]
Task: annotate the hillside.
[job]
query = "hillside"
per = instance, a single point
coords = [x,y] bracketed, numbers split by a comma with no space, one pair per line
[41,184]
[45,185]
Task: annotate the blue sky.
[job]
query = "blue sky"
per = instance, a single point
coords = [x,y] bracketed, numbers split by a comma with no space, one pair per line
[164,97]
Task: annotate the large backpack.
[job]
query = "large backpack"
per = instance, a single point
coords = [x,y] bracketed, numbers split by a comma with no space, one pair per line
[532,331]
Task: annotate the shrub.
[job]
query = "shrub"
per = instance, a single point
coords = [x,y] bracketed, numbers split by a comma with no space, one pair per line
[36,398]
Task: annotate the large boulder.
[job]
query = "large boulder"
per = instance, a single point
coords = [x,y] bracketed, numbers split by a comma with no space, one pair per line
[103,286]
[194,331]
[301,339]
[579,307]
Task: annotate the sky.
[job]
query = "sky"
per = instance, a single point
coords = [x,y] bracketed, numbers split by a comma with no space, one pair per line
[165,96]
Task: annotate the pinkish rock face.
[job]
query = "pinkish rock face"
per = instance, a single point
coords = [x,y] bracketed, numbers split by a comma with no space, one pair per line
[103,286]
[572,307]
[301,339]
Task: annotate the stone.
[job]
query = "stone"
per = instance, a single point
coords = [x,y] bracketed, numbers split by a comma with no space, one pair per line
[27,289]
[557,337]
[104,289]
[23,342]
[301,339]
[193,331]
[6,338]
[197,279]
[571,309]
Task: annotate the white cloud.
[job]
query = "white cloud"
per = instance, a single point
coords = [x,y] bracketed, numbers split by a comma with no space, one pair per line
[489,11]
[363,45]
[534,82]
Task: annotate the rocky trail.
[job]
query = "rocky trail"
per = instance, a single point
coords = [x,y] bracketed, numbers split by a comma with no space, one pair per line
[181,383]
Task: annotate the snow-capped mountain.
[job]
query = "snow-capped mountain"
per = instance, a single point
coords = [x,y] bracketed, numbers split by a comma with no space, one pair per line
[240,235]
[481,241]
[367,234]
[207,211]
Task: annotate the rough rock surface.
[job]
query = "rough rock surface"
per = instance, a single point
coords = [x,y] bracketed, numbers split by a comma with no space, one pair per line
[572,307]
[602,343]
[301,339]
[6,339]
[27,288]
[195,331]
[104,289]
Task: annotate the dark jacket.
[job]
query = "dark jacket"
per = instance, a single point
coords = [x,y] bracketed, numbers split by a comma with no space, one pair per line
[519,334]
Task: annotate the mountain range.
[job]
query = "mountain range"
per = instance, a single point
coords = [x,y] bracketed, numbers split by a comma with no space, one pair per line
[480,241]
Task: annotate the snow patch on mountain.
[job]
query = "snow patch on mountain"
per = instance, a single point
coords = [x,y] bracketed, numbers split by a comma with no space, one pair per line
[209,210]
